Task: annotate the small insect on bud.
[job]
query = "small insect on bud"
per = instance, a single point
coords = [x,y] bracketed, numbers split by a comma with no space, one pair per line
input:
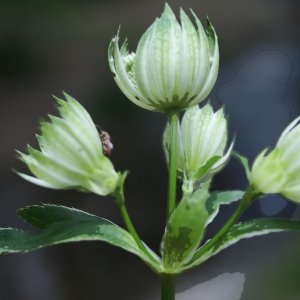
[107,145]
[73,154]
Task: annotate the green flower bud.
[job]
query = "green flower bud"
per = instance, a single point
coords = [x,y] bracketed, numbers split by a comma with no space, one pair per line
[174,68]
[279,171]
[71,153]
[202,138]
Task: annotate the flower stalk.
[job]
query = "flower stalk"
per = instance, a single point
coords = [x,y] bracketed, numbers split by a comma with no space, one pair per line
[168,282]
[173,123]
[120,201]
[249,196]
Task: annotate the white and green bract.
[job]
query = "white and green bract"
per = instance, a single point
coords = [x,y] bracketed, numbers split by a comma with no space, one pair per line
[184,230]
[71,153]
[174,67]
[279,171]
[202,135]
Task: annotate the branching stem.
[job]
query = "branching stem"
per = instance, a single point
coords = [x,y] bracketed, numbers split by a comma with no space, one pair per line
[247,199]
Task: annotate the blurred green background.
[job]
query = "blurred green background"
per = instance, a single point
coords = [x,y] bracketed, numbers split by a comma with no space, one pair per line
[47,47]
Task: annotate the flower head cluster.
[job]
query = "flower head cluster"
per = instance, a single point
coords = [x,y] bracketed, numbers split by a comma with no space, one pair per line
[174,67]
[202,135]
[71,153]
[279,171]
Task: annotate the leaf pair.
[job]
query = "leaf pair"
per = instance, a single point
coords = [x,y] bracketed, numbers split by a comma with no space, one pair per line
[186,226]
[61,224]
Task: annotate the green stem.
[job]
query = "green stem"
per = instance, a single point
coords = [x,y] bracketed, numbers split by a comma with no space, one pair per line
[120,201]
[167,282]
[173,123]
[247,199]
[133,232]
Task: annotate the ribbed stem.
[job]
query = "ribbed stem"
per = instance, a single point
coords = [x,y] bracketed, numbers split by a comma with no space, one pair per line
[248,197]
[168,286]
[120,201]
[173,123]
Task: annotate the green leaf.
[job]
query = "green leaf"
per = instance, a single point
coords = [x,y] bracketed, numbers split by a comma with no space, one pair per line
[206,168]
[61,224]
[217,198]
[245,230]
[47,215]
[244,162]
[184,230]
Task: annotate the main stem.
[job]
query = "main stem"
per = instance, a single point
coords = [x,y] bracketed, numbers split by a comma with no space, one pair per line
[167,282]
[173,127]
[248,197]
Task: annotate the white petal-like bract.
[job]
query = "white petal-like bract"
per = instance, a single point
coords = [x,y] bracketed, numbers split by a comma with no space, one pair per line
[279,171]
[202,136]
[71,153]
[174,68]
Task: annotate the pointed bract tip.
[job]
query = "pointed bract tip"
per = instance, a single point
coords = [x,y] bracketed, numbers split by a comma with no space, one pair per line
[183,13]
[209,24]
[14,170]
[221,110]
[119,29]
[65,94]
[167,6]
[58,99]
[168,10]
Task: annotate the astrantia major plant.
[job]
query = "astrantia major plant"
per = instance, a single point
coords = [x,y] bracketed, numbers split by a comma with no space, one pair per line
[174,69]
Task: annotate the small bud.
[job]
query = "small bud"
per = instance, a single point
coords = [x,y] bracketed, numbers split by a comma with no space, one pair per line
[279,171]
[174,67]
[71,153]
[202,138]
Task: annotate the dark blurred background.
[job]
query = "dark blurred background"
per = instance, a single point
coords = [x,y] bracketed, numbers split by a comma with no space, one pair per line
[47,47]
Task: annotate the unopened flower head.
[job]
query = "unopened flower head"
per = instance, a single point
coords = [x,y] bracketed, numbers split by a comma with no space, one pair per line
[71,153]
[202,135]
[174,67]
[279,171]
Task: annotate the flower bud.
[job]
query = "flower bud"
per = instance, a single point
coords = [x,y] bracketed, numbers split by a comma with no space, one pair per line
[71,153]
[202,136]
[174,67]
[279,171]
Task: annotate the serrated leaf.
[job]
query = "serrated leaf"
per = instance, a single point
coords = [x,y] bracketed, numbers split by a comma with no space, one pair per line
[218,198]
[244,230]
[61,224]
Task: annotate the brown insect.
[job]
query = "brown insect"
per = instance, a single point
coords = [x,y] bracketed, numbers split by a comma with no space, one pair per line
[107,145]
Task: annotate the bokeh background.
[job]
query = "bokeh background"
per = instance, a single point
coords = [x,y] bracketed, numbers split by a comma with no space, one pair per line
[50,46]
